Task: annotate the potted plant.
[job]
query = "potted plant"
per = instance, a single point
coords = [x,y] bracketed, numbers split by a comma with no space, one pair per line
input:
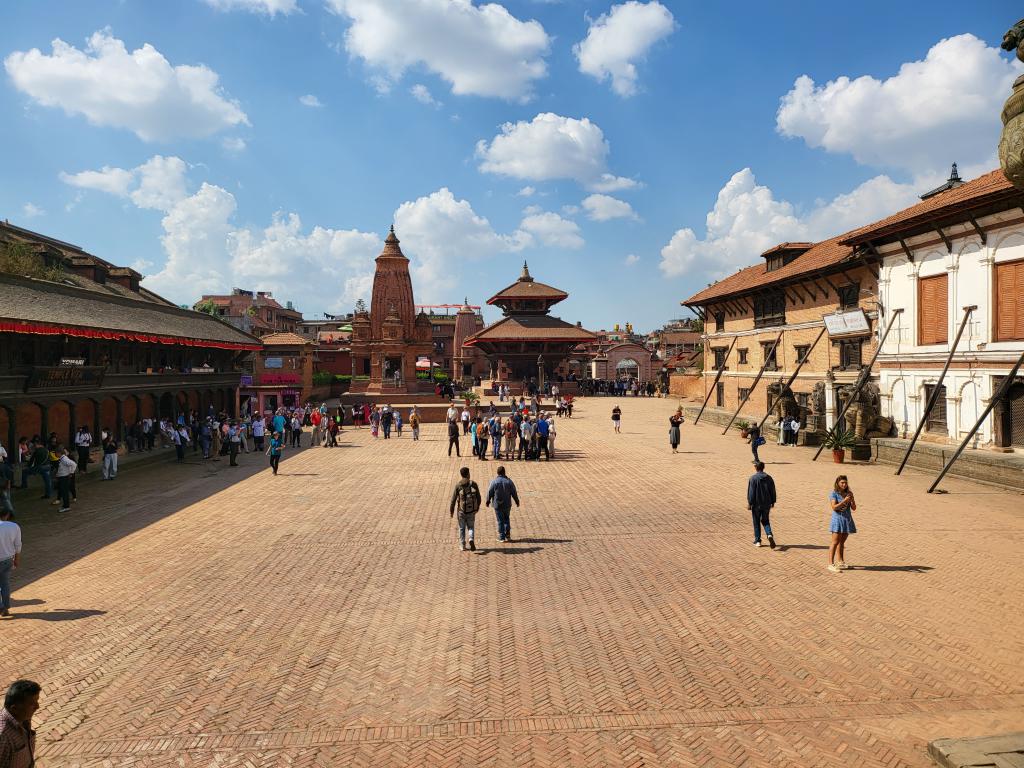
[744,427]
[839,440]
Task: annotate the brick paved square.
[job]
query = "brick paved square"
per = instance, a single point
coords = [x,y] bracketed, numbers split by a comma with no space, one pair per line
[199,615]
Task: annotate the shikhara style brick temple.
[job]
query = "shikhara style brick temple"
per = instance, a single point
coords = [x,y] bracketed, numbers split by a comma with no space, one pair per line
[528,344]
[387,340]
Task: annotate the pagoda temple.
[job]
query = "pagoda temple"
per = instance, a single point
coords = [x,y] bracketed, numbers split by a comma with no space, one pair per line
[528,345]
[388,340]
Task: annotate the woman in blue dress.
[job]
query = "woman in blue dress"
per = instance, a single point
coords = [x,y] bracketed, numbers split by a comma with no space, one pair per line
[843,504]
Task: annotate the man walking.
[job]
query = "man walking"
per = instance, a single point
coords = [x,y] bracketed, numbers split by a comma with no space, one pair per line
[10,558]
[466,499]
[387,418]
[453,437]
[542,437]
[502,492]
[17,739]
[760,500]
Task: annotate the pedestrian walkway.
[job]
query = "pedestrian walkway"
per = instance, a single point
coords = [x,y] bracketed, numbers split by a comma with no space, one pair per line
[327,617]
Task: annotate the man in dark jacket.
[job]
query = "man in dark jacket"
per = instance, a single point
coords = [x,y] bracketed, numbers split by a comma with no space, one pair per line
[502,492]
[760,500]
[453,437]
[465,500]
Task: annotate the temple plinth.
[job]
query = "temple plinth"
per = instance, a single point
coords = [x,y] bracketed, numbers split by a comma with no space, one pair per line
[387,340]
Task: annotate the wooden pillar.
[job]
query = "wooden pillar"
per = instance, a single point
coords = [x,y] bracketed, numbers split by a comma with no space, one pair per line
[119,418]
[72,428]
[96,428]
[12,429]
[44,421]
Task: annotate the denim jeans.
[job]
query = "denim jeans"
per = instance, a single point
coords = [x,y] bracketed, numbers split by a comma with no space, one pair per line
[467,523]
[387,431]
[5,501]
[497,446]
[5,583]
[501,516]
[44,471]
[109,466]
[760,517]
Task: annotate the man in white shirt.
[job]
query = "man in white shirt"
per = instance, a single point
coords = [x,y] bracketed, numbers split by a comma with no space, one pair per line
[10,557]
[83,441]
[465,419]
[453,413]
[259,428]
[66,468]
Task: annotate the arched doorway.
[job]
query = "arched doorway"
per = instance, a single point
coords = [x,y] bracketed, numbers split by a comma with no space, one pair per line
[627,368]
[165,409]
[1016,401]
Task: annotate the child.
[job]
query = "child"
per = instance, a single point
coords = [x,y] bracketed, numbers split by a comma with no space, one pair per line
[843,505]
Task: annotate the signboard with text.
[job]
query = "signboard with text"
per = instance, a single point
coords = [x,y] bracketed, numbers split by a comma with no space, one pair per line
[65,377]
[274,379]
[847,323]
[274,362]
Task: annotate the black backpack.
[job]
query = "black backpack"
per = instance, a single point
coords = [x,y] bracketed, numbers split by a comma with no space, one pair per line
[469,497]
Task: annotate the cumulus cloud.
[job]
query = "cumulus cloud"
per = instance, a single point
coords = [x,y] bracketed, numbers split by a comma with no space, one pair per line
[549,229]
[631,259]
[526,191]
[932,112]
[157,184]
[551,147]
[605,208]
[233,144]
[479,50]
[619,38]
[139,91]
[422,94]
[265,7]
[31,210]
[309,100]
[747,220]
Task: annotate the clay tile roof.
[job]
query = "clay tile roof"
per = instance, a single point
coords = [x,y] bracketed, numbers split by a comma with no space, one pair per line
[528,290]
[987,188]
[787,247]
[531,327]
[824,254]
[284,339]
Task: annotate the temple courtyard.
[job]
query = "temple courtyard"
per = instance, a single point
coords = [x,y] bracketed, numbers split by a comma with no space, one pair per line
[202,615]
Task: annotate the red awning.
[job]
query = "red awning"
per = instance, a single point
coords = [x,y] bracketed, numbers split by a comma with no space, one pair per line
[44,329]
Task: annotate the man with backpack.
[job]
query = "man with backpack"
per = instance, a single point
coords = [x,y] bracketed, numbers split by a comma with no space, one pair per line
[465,499]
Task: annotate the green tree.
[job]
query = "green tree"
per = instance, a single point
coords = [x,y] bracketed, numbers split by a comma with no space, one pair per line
[207,307]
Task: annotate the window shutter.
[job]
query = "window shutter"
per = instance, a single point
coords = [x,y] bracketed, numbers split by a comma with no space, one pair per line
[1009,320]
[933,317]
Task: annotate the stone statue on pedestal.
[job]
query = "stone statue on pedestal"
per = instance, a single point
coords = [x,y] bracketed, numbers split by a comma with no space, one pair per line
[1011,143]
[864,416]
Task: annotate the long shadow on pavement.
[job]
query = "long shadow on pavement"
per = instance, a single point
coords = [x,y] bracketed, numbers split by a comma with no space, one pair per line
[58,614]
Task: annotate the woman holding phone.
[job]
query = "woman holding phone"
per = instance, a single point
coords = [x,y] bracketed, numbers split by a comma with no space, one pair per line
[843,505]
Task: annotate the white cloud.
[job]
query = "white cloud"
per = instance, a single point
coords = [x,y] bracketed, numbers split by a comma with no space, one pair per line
[617,39]
[114,181]
[157,184]
[609,183]
[265,7]
[309,100]
[747,220]
[605,208]
[929,114]
[526,191]
[139,91]
[550,229]
[551,147]
[631,259]
[422,94]
[233,144]
[480,50]
[31,210]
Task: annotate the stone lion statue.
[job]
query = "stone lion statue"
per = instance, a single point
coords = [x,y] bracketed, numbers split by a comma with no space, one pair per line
[818,398]
[864,416]
[1014,38]
[1011,142]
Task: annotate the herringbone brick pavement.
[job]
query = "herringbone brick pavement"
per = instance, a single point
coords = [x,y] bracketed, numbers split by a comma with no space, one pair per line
[198,615]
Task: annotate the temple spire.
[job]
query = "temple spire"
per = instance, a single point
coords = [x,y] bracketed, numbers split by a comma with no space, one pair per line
[525,277]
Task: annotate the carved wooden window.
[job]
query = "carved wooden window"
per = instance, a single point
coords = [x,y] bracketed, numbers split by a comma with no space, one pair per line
[801,352]
[850,354]
[1009,287]
[937,418]
[769,309]
[719,322]
[720,353]
[743,393]
[849,296]
[932,309]
[770,350]
[720,394]
[742,356]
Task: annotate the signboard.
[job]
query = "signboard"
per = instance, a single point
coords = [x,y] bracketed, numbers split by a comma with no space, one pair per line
[274,362]
[246,380]
[274,379]
[65,377]
[72,361]
[204,369]
[847,323]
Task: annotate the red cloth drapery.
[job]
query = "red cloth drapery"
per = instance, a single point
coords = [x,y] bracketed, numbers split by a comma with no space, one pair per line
[46,329]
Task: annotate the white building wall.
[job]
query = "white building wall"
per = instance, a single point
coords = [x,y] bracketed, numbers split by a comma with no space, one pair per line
[906,367]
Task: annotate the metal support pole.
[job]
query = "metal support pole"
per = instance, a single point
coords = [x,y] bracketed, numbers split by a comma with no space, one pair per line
[715,382]
[865,375]
[792,378]
[938,385]
[1003,388]
[753,384]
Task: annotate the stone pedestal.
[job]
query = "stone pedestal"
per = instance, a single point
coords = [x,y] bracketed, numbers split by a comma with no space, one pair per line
[1011,143]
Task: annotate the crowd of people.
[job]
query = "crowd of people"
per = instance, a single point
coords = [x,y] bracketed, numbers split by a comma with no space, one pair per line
[516,431]
[623,387]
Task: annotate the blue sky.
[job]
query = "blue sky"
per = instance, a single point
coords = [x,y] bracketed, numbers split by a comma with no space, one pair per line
[631,152]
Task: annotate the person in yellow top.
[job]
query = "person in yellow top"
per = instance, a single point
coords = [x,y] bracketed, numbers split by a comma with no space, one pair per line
[414,423]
